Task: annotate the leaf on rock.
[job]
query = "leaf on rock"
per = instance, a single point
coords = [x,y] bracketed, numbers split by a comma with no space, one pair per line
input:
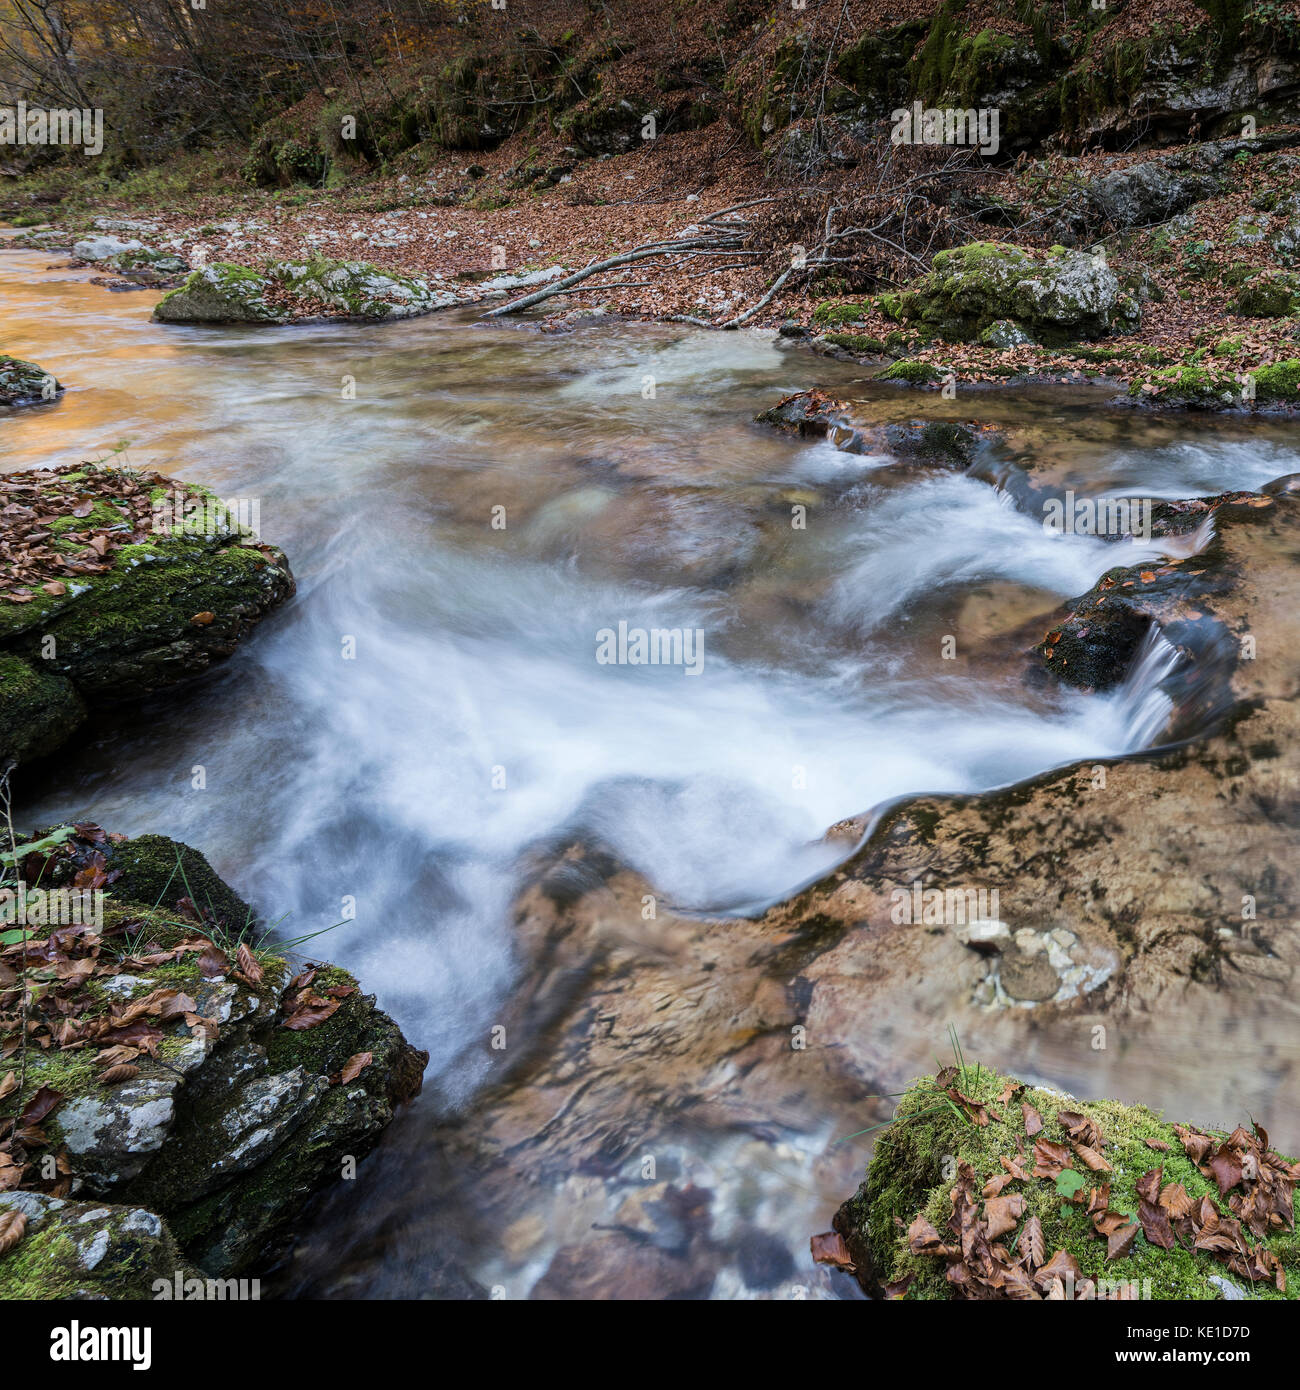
[829,1249]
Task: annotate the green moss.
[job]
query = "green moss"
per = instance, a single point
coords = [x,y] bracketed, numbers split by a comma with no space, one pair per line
[913,372]
[832,314]
[912,1171]
[1189,385]
[1271,294]
[38,709]
[857,342]
[1279,381]
[149,871]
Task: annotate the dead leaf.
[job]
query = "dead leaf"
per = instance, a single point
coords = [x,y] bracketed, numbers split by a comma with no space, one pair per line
[355,1065]
[829,1249]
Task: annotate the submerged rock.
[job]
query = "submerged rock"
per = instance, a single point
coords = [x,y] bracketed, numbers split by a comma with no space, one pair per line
[940,443]
[105,598]
[247,1091]
[24,383]
[1054,297]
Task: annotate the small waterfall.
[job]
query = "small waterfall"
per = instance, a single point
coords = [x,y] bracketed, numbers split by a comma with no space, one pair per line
[1144,707]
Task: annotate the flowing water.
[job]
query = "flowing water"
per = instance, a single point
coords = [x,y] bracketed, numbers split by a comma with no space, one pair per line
[466,508]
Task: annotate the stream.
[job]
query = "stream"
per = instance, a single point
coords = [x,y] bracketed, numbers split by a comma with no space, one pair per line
[466,507]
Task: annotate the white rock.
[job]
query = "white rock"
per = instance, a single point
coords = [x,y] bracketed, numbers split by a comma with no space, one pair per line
[989,930]
[100,248]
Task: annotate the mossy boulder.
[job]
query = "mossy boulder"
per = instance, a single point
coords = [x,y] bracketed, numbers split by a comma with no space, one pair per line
[1272,294]
[359,290]
[1278,382]
[258,1084]
[914,373]
[24,383]
[77,1250]
[125,610]
[221,293]
[935,1147]
[1055,297]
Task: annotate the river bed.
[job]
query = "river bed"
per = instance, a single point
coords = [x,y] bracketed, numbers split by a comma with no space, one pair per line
[467,509]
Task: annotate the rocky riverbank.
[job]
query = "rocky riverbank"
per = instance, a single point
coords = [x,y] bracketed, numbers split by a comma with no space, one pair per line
[183,1090]
[1137,218]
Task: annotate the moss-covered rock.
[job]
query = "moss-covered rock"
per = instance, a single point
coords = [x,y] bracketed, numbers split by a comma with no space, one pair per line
[1272,294]
[24,383]
[120,617]
[924,1152]
[39,709]
[258,1085]
[1189,386]
[76,1250]
[220,293]
[223,293]
[1278,382]
[1055,297]
[359,290]
[914,373]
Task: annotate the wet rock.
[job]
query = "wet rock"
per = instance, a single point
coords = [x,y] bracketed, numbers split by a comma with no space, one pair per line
[221,293]
[154,607]
[620,1267]
[24,383]
[1028,976]
[80,1250]
[940,443]
[235,1120]
[695,1016]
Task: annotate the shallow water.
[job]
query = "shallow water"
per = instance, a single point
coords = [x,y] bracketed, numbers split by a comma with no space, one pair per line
[431,703]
